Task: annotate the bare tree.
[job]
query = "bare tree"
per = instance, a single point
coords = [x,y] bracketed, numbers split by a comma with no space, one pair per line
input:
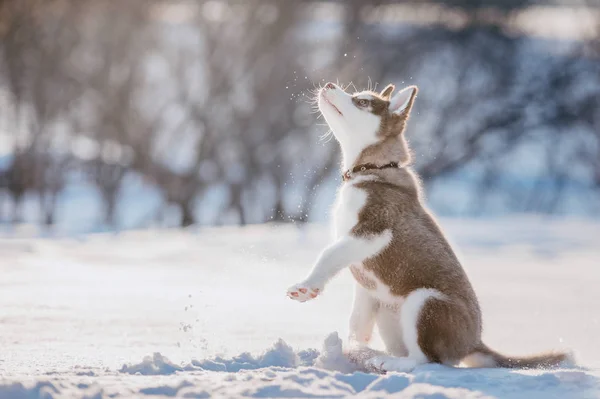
[206,101]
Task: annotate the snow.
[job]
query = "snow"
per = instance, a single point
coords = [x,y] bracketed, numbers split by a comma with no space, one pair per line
[203,313]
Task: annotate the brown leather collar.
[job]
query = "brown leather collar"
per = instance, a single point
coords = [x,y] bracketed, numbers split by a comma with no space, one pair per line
[364,167]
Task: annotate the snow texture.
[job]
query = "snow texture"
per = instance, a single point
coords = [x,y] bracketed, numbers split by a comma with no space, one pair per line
[203,313]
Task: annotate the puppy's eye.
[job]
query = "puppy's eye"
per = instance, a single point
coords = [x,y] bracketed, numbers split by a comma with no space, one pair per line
[362,103]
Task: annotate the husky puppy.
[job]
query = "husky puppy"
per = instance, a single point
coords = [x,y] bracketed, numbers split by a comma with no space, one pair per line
[408,279]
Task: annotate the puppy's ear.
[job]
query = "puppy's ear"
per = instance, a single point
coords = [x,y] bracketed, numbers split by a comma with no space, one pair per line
[387,92]
[403,101]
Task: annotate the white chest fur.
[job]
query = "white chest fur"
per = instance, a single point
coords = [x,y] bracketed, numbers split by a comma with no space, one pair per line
[350,201]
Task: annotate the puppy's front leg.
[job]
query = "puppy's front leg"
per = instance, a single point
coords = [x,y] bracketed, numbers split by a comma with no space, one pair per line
[342,253]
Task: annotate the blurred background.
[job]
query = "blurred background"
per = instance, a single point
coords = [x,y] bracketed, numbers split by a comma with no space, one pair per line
[139,113]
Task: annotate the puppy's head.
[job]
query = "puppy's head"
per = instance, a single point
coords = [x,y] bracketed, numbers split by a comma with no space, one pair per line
[368,124]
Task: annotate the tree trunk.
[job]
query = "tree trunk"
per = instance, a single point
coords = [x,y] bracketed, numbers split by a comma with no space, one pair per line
[48,207]
[187,216]
[236,203]
[241,214]
[17,208]
[110,206]
[49,214]
[278,210]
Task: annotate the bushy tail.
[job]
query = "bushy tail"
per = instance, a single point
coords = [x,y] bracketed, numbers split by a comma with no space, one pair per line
[486,357]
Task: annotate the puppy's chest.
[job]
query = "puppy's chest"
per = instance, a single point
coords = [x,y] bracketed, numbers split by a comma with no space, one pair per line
[350,201]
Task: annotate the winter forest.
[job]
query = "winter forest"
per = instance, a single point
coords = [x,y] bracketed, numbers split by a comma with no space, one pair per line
[128,114]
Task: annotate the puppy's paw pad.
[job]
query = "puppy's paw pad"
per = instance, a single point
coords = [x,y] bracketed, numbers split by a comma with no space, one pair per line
[302,292]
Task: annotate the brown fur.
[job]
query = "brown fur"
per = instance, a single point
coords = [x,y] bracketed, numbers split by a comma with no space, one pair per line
[549,359]
[419,255]
[393,145]
[387,92]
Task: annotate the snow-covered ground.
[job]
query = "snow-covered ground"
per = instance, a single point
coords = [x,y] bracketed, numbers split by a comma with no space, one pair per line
[203,313]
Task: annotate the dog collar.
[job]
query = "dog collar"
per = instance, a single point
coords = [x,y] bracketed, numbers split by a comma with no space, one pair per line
[364,167]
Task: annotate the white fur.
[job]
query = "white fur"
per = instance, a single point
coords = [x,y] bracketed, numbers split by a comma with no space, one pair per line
[388,324]
[345,251]
[479,360]
[362,320]
[400,100]
[349,202]
[355,129]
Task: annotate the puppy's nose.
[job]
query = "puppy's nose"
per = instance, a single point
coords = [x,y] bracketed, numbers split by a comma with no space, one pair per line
[330,86]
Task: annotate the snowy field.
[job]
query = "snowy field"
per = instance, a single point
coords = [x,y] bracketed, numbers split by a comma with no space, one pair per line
[203,313]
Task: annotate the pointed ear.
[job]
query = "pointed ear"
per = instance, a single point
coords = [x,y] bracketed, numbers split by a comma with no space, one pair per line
[402,101]
[387,92]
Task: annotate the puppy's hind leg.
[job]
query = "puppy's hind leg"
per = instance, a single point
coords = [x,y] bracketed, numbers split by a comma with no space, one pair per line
[410,318]
[390,330]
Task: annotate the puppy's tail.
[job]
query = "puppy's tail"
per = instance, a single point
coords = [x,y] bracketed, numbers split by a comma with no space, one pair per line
[486,357]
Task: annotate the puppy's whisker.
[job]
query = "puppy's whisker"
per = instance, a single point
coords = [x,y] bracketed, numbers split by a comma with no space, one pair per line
[326,136]
[353,85]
